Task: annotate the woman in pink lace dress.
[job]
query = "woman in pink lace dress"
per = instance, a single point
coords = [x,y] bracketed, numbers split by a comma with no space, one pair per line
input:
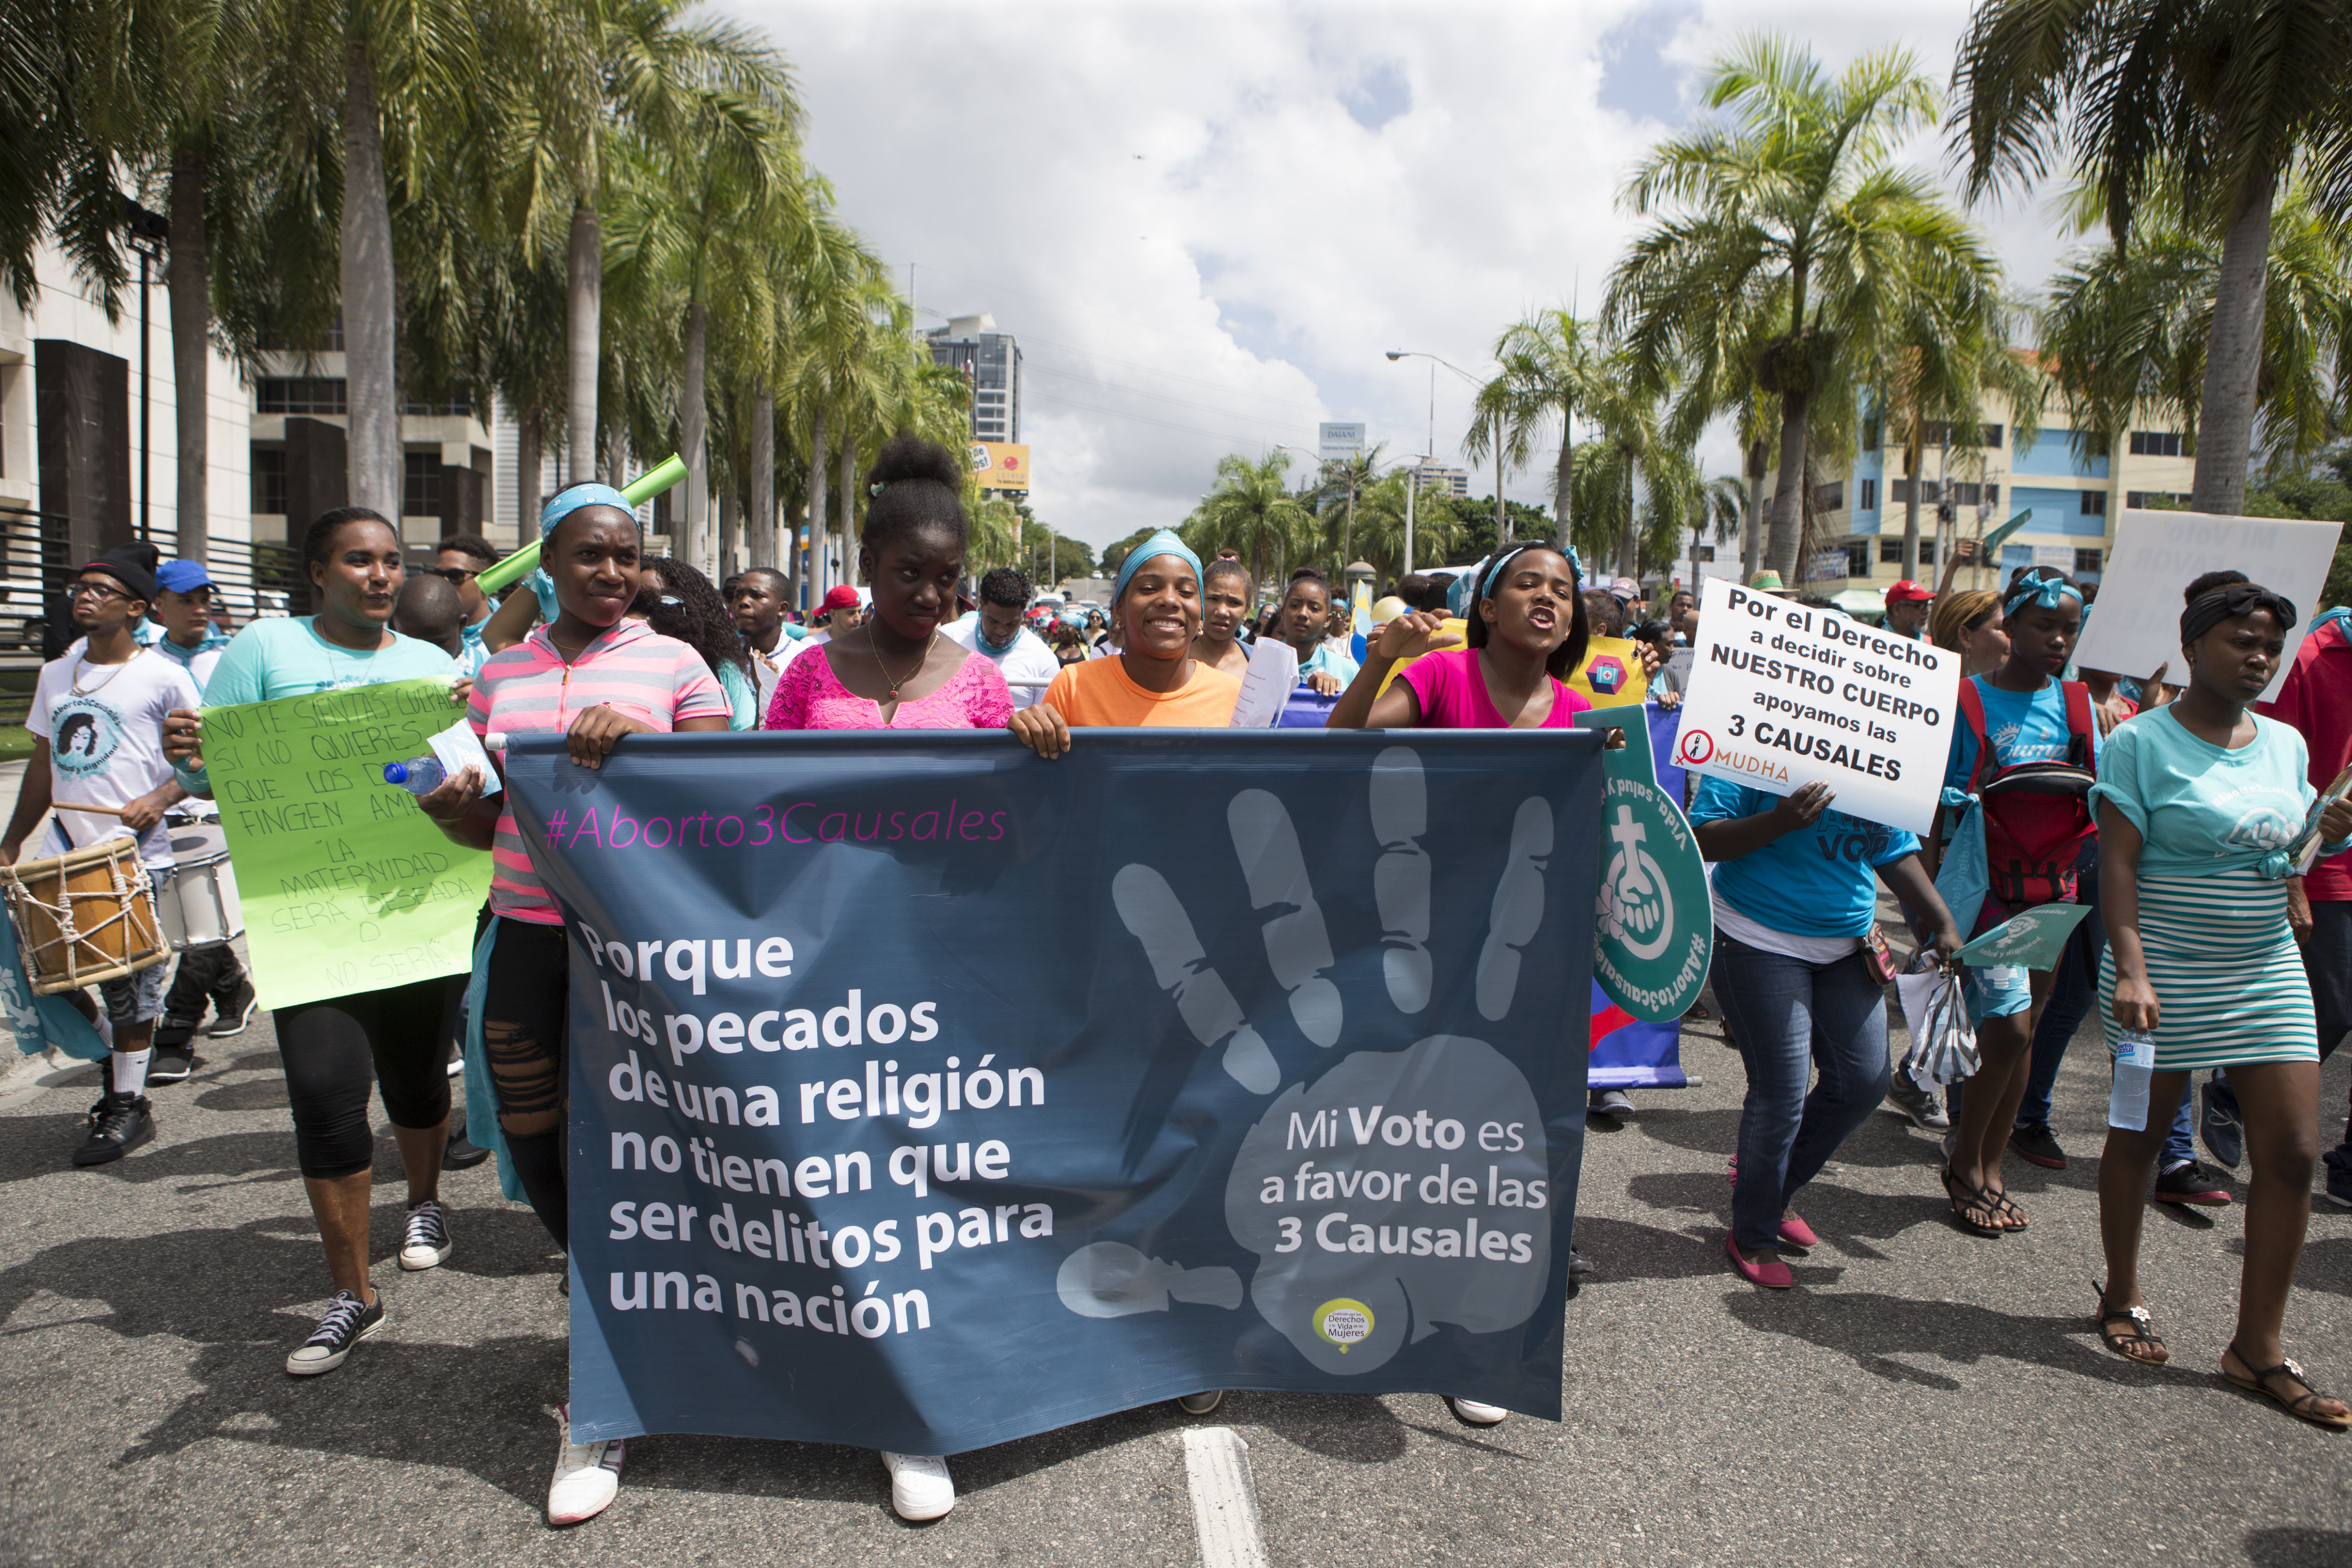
[895,671]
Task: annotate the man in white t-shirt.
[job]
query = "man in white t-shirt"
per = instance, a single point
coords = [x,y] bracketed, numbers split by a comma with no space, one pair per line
[756,599]
[996,631]
[98,740]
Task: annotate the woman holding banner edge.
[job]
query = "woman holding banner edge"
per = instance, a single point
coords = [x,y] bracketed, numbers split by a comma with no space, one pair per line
[332,1048]
[596,676]
[2198,805]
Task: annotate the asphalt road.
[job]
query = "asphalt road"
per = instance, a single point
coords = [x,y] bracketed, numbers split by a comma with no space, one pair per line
[1924,1397]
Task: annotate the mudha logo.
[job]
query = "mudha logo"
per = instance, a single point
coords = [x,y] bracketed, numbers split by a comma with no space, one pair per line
[1697,749]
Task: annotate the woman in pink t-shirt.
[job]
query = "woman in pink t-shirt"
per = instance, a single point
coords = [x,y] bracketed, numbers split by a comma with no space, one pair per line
[895,671]
[1528,631]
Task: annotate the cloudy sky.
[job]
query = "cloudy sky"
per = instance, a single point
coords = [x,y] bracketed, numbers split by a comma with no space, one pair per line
[1205,223]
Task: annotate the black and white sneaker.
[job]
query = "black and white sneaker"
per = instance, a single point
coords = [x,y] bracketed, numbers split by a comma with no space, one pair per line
[425,1244]
[118,1124]
[233,1019]
[172,1064]
[347,1322]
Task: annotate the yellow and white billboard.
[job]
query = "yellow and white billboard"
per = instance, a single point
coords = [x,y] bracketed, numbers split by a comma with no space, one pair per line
[1000,466]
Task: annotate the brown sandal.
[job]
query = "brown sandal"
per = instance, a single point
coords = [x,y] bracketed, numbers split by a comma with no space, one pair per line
[2299,1405]
[2142,1332]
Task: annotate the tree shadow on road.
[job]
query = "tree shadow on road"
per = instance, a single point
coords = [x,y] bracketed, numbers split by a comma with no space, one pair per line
[2291,1547]
[1874,1329]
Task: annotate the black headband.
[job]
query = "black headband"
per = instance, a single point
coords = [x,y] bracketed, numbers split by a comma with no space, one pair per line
[2211,608]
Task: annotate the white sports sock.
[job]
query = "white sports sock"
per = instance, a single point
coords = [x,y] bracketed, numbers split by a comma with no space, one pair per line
[130,1070]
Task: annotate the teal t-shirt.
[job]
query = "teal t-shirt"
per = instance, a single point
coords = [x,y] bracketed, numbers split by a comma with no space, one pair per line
[2201,807]
[283,656]
[2023,726]
[1815,881]
[742,698]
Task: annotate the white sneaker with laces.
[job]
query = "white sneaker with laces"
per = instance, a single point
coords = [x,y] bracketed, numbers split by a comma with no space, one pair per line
[1475,1414]
[425,1243]
[920,1487]
[587,1475]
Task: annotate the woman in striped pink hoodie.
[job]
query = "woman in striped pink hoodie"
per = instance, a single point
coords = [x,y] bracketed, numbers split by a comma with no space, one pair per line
[596,677]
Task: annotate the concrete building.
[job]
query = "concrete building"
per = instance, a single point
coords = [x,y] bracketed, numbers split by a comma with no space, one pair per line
[90,450]
[991,359]
[1439,479]
[2071,499]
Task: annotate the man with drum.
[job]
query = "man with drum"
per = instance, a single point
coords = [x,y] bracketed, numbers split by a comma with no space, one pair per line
[97,721]
[182,608]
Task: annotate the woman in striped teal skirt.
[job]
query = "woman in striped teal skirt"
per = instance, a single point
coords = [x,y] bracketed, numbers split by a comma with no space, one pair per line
[2197,804]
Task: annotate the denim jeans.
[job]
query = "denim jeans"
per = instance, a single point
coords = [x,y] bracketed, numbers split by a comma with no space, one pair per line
[1789,1017]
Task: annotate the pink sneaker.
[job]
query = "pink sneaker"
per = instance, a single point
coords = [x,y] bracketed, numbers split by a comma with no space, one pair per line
[1797,1232]
[1772,1276]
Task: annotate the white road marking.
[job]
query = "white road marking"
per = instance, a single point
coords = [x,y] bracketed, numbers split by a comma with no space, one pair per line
[1225,1499]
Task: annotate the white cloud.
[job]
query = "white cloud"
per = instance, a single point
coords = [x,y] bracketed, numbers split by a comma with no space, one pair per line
[1205,224]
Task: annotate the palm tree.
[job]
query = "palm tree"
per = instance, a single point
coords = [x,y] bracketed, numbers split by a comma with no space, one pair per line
[1950,348]
[1550,366]
[1633,450]
[2226,95]
[1251,511]
[1343,479]
[1788,240]
[1381,516]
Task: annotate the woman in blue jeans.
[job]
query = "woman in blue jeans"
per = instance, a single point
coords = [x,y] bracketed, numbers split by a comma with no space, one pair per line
[1793,900]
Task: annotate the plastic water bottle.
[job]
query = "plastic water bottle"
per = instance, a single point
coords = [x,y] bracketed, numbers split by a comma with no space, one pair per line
[422,775]
[2135,1064]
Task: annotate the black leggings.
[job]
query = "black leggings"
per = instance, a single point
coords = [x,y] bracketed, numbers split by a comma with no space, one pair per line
[333,1049]
[526,1043]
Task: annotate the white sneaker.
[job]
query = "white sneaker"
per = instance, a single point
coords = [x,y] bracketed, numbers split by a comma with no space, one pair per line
[587,1475]
[425,1244]
[919,1485]
[1475,1414]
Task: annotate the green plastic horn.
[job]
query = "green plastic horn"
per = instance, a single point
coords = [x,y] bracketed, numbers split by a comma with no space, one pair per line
[515,567]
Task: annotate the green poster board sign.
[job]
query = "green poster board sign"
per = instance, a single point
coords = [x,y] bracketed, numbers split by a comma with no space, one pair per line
[1654,928]
[347,886]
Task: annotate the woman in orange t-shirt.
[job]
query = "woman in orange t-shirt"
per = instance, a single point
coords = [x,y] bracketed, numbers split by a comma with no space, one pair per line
[1153,682]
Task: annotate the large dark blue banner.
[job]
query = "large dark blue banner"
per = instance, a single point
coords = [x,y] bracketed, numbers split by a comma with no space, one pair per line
[927,1095]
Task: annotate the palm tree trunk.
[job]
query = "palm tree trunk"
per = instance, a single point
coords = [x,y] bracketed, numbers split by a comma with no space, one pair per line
[191,297]
[530,447]
[1563,535]
[694,430]
[1788,521]
[2233,356]
[1751,534]
[1912,456]
[848,504]
[818,450]
[764,550]
[731,535]
[583,317]
[371,295]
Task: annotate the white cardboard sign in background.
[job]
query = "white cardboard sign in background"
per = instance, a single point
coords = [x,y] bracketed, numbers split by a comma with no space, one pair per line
[2137,624]
[1782,695]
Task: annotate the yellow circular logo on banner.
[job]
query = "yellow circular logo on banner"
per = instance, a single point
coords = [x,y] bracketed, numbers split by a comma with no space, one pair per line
[1343,1322]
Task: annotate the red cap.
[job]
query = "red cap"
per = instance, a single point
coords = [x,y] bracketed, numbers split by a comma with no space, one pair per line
[842,597]
[1907,591]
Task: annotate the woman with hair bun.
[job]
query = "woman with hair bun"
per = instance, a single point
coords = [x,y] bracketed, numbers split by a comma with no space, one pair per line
[895,671]
[676,601]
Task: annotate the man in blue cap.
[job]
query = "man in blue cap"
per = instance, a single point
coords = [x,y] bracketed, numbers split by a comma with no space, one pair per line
[183,610]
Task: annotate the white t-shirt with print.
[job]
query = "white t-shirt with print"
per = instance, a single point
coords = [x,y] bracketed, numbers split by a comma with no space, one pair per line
[104,724]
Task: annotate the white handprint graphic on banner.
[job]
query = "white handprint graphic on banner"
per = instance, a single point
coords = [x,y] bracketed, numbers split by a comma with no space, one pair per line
[1401,1190]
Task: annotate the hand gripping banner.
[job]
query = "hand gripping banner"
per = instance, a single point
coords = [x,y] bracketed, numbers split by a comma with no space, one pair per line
[925,1094]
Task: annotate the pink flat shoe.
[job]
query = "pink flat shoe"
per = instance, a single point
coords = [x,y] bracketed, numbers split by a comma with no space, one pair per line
[1772,1276]
[1797,1232]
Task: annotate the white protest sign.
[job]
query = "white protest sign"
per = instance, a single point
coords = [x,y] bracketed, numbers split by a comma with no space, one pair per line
[2137,624]
[1781,695]
[1266,685]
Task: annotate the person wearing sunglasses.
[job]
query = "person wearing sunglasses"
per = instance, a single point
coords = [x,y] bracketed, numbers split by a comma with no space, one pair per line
[460,559]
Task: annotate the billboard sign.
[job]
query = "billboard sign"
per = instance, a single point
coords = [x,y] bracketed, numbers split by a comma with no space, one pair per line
[1337,443]
[1000,466]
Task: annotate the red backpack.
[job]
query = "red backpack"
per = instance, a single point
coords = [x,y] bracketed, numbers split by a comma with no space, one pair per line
[2036,814]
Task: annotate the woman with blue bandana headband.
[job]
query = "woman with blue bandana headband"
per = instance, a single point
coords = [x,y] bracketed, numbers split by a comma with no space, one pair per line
[2023,715]
[1153,680]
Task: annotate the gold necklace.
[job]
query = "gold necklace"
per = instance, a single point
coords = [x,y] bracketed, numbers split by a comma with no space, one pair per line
[81,662]
[924,658]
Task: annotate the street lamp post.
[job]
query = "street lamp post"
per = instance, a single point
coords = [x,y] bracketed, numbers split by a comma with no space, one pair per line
[1502,515]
